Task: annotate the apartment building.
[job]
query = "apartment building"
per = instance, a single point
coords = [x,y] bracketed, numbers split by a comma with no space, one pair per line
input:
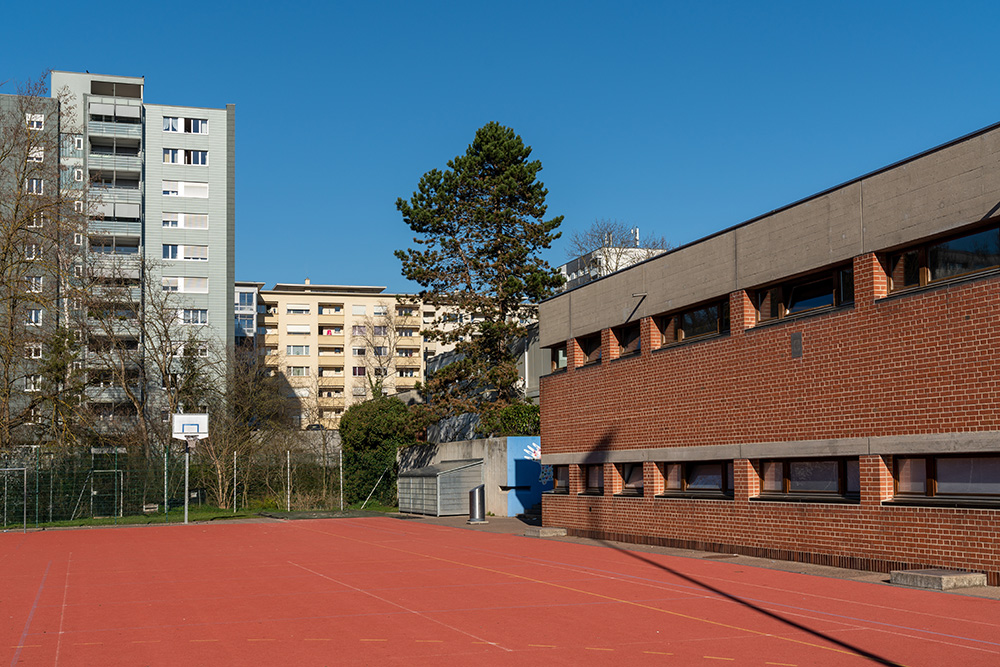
[248,310]
[817,384]
[337,344]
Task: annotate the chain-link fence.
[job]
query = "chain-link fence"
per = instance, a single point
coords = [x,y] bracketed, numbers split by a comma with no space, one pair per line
[110,483]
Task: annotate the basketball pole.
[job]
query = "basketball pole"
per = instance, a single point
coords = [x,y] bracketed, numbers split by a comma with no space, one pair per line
[190,440]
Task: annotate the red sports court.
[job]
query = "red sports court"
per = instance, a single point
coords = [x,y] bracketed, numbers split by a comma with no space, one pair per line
[383,590]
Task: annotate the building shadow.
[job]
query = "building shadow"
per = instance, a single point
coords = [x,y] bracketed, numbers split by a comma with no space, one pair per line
[750,605]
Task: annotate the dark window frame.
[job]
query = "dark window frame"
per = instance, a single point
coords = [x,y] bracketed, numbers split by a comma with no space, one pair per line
[687,469]
[779,300]
[628,337]
[588,489]
[843,492]
[921,253]
[561,489]
[625,471]
[591,348]
[931,478]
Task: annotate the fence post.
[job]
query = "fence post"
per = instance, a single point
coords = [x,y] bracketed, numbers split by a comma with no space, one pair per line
[234,481]
[288,486]
[341,476]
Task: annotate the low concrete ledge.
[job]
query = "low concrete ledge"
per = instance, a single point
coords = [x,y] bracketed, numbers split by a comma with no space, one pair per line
[936,579]
[544,531]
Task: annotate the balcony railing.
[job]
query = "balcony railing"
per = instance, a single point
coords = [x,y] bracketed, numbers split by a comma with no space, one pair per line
[114,162]
[114,129]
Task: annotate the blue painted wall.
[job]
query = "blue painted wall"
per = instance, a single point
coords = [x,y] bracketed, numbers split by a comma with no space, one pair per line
[523,474]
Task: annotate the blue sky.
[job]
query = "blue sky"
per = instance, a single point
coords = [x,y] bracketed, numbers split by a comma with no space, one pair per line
[680,118]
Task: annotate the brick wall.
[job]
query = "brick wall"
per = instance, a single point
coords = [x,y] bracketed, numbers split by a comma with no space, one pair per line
[925,362]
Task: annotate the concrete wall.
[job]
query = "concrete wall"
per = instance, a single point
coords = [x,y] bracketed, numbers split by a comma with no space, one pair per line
[931,193]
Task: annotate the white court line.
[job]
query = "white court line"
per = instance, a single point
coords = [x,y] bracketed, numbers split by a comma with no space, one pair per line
[395,604]
[62,613]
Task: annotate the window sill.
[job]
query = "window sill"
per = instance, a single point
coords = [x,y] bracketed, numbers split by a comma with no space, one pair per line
[692,341]
[816,312]
[592,493]
[554,492]
[944,283]
[917,501]
[807,498]
[630,355]
[627,495]
[558,371]
[694,496]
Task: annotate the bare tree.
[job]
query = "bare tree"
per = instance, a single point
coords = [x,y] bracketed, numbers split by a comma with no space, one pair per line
[148,357]
[378,337]
[41,215]
[618,244]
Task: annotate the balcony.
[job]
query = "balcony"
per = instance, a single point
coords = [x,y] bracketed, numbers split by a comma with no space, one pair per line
[110,195]
[109,129]
[408,362]
[326,340]
[331,318]
[409,321]
[330,401]
[330,424]
[406,383]
[272,361]
[271,319]
[114,162]
[330,381]
[271,340]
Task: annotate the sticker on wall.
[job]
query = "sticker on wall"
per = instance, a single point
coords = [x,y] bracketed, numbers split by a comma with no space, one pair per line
[534,453]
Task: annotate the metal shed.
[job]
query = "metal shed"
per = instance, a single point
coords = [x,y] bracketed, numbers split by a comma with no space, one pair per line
[441,489]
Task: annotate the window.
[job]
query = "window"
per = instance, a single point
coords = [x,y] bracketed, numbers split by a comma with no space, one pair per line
[171,188]
[171,219]
[358,310]
[710,478]
[196,252]
[33,351]
[33,317]
[77,239]
[32,251]
[245,298]
[380,311]
[195,316]
[816,477]
[358,371]
[185,189]
[632,480]
[297,329]
[37,221]
[78,143]
[700,322]
[33,284]
[171,124]
[78,206]
[407,332]
[195,221]
[407,373]
[36,155]
[171,284]
[358,330]
[196,157]
[358,351]
[171,156]
[380,331]
[33,383]
[298,371]
[35,186]
[813,292]
[593,476]
[78,175]
[591,348]
[405,352]
[558,356]
[35,121]
[195,126]
[404,311]
[629,340]
[941,260]
[297,350]
[297,309]
[329,310]
[169,251]
[560,479]
[380,351]
[955,477]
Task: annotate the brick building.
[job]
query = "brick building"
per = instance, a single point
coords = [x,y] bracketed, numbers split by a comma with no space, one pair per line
[820,383]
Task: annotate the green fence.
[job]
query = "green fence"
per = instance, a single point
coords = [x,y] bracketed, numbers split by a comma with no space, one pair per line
[37,488]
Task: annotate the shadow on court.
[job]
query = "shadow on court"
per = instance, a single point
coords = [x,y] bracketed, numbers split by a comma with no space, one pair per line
[750,605]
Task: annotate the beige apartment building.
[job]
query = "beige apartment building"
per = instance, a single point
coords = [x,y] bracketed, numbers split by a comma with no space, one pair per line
[335,345]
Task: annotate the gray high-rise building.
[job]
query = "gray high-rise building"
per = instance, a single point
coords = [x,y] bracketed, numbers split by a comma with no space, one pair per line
[164,181]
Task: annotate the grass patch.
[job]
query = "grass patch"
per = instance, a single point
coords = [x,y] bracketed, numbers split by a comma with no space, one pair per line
[195,513]
[374,506]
